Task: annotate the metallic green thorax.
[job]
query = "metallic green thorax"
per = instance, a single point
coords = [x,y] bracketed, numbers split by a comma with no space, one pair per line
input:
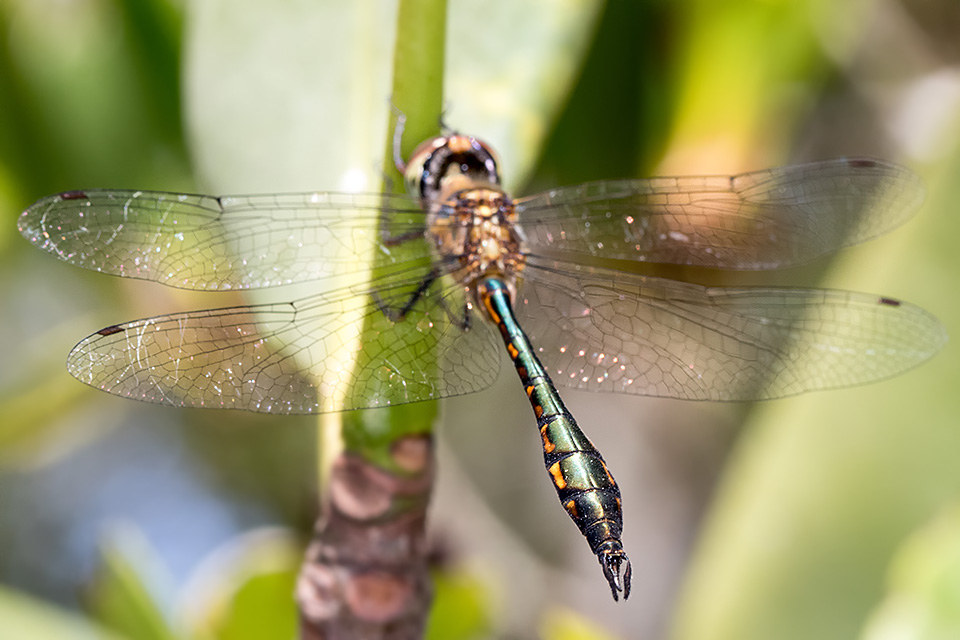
[584,485]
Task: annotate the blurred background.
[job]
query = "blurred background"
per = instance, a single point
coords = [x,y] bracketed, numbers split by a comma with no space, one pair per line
[831,515]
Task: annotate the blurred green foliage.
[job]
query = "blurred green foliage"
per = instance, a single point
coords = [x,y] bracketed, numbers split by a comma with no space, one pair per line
[562,624]
[25,617]
[461,608]
[120,596]
[923,585]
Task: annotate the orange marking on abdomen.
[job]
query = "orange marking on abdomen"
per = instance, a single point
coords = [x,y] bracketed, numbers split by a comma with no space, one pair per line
[530,389]
[547,445]
[512,350]
[558,480]
[488,303]
[571,508]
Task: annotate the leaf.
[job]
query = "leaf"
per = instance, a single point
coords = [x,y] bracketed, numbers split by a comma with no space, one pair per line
[122,594]
[25,618]
[461,607]
[566,624]
[923,598]
[244,589]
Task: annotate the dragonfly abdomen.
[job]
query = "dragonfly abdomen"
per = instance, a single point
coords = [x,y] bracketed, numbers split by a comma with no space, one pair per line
[585,486]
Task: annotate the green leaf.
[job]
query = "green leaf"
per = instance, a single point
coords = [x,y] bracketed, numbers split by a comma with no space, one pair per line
[28,413]
[122,594]
[290,96]
[25,618]
[741,73]
[244,590]
[923,598]
[565,624]
[461,608]
[511,66]
[153,29]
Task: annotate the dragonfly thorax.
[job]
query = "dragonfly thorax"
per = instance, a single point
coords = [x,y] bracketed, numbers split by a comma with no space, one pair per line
[476,229]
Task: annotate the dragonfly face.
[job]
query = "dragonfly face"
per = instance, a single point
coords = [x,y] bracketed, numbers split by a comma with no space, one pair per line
[547,292]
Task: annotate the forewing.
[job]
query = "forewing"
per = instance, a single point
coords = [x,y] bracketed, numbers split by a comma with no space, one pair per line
[298,357]
[759,220]
[607,331]
[218,243]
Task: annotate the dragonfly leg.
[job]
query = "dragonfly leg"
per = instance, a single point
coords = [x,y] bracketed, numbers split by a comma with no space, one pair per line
[445,129]
[401,122]
[390,240]
[397,315]
[396,241]
[461,321]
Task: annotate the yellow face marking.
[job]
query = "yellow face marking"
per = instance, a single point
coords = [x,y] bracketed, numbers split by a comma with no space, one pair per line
[571,508]
[547,445]
[558,480]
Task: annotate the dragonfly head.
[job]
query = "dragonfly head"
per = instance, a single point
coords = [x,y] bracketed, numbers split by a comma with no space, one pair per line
[440,161]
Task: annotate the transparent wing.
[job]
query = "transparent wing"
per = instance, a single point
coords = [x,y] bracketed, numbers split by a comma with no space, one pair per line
[297,357]
[607,331]
[760,220]
[218,243]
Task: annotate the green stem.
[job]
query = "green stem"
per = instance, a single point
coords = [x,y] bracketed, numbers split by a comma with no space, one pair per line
[417,75]
[418,94]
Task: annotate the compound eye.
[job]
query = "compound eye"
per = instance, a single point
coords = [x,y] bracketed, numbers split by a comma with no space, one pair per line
[479,153]
[474,158]
[413,172]
[489,163]
[487,151]
[440,160]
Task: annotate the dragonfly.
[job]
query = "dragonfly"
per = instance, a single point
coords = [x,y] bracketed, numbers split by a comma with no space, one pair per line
[419,294]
